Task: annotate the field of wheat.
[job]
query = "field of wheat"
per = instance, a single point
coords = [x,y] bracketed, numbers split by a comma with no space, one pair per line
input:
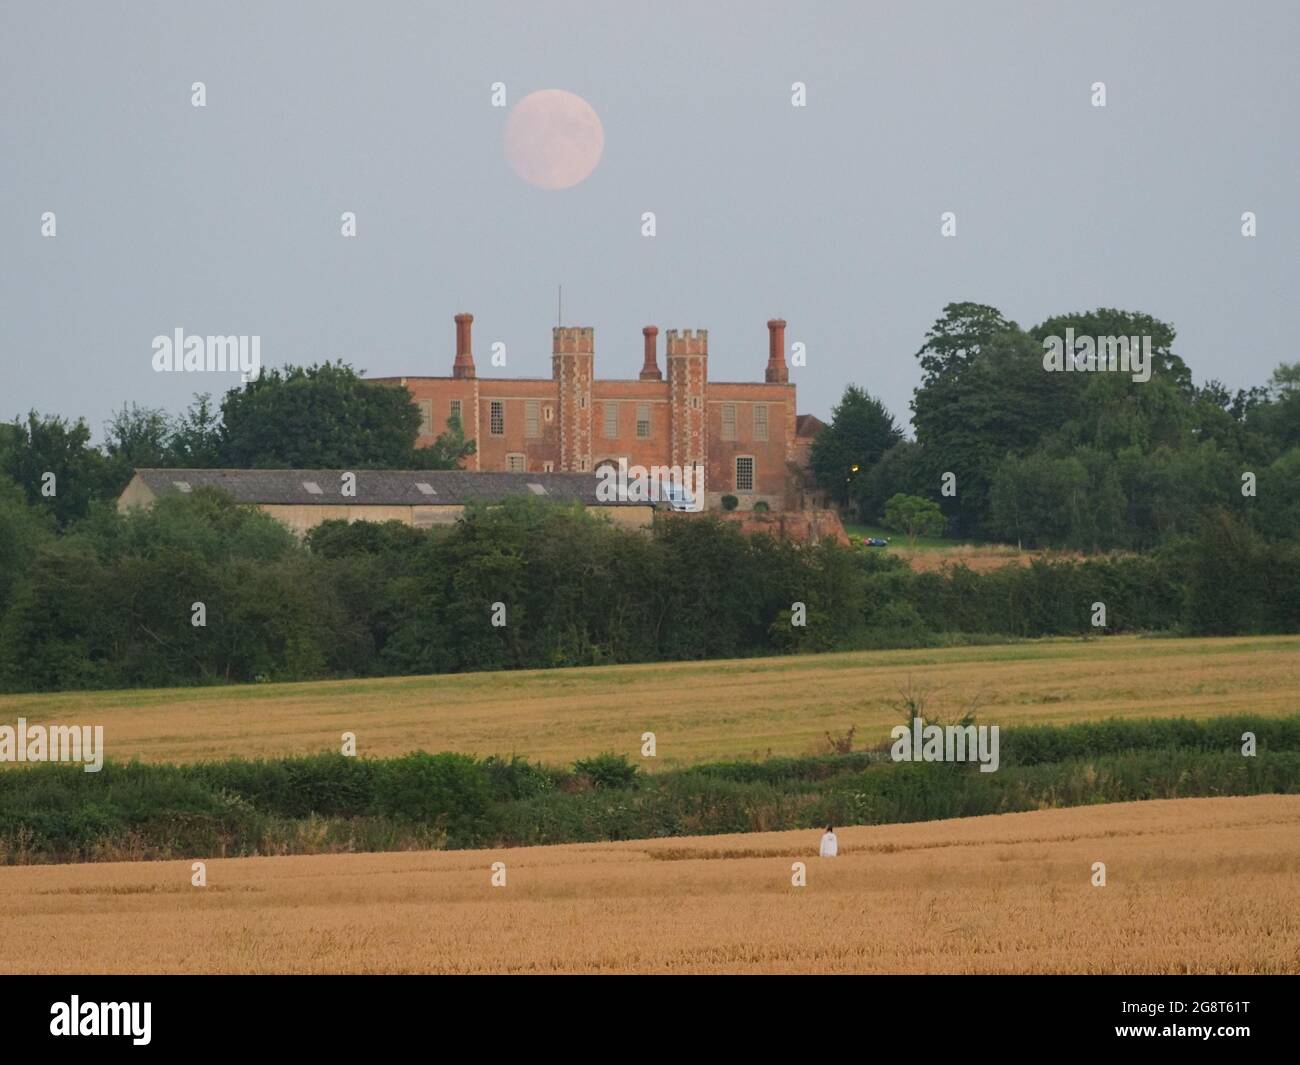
[1192,886]
[699,711]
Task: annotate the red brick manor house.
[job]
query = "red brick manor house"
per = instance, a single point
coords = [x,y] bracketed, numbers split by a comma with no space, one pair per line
[747,435]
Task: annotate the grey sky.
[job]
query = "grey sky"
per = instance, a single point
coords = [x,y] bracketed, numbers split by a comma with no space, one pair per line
[225,220]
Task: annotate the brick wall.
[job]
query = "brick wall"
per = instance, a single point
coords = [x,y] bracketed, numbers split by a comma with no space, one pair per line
[686,413]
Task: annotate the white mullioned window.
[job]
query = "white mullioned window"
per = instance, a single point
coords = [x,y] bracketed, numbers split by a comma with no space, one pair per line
[532,423]
[760,421]
[728,421]
[611,420]
[516,464]
[643,421]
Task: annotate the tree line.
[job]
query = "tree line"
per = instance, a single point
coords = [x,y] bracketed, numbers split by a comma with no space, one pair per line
[314,417]
[1092,461]
[112,602]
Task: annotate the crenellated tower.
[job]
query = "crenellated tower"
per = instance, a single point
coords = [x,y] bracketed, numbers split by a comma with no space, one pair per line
[688,376]
[573,356]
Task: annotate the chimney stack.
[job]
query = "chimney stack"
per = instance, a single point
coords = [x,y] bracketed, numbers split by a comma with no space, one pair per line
[650,368]
[776,368]
[464,364]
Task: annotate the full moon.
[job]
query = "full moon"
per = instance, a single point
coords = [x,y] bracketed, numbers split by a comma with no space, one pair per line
[554,139]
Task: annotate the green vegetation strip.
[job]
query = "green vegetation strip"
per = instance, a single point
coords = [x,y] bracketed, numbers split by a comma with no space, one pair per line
[330,803]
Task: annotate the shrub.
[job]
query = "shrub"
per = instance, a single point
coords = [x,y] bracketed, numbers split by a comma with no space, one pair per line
[606,770]
[730,502]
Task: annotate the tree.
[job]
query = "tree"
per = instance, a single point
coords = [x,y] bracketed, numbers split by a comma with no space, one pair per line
[52,461]
[914,516]
[446,452]
[861,430]
[197,436]
[968,417]
[23,530]
[1039,500]
[901,469]
[137,437]
[957,338]
[323,417]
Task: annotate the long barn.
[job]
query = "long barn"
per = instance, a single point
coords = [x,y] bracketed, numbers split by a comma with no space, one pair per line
[302,499]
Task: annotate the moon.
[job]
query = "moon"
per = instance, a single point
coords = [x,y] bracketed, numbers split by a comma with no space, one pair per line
[554,139]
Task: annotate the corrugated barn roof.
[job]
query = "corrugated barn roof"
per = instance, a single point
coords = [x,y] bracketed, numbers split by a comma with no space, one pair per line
[377,487]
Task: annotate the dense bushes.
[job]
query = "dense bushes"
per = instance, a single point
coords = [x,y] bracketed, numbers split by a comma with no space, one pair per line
[112,604]
[333,803]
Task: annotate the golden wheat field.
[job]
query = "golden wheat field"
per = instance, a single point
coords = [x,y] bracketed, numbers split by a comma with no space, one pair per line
[1193,886]
[698,710]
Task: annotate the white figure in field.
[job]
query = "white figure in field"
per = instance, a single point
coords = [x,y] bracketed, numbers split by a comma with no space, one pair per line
[830,845]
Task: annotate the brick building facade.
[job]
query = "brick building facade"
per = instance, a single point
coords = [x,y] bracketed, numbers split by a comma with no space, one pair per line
[746,435]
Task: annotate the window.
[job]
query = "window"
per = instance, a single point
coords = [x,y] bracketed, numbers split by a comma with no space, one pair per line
[695,402]
[548,412]
[584,465]
[548,467]
[728,421]
[582,402]
[760,421]
[744,473]
[643,421]
[426,489]
[498,418]
[515,464]
[611,421]
[532,427]
[455,412]
[426,417]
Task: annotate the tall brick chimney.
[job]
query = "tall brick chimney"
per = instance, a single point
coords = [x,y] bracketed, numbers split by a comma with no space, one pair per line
[464,364]
[650,368]
[776,369]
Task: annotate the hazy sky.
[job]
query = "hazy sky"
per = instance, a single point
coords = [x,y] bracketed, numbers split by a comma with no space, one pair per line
[226,219]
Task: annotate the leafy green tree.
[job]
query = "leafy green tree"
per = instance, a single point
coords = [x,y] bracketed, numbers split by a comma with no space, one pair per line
[993,400]
[23,531]
[1037,499]
[914,516]
[956,339]
[447,451]
[33,450]
[903,468]
[1111,322]
[137,437]
[196,439]
[861,430]
[322,416]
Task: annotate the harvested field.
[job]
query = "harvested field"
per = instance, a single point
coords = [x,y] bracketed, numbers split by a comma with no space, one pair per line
[699,711]
[1193,886]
